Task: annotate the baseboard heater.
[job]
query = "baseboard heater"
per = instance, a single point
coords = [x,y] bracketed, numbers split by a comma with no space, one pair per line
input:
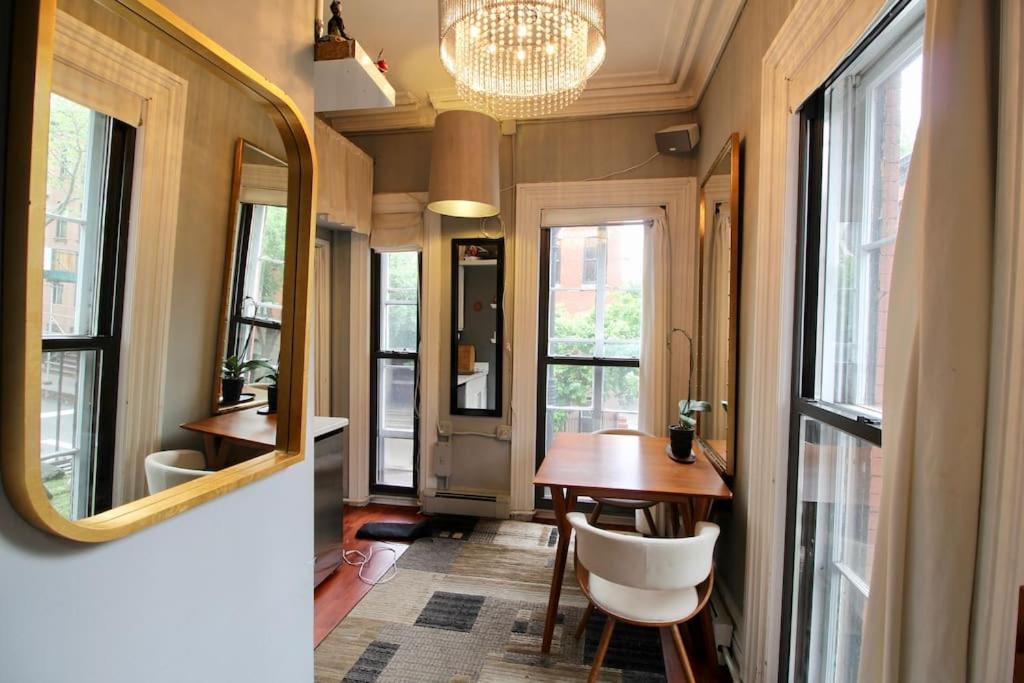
[465,502]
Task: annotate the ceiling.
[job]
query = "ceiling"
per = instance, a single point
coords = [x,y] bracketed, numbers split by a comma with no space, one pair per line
[661,54]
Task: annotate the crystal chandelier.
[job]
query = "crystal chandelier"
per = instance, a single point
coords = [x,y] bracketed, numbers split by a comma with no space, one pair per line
[521,58]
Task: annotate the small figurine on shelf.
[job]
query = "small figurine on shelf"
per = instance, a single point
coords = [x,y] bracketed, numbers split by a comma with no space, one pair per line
[336,26]
[382,64]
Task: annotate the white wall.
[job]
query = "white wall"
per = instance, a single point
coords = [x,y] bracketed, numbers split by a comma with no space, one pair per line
[220,593]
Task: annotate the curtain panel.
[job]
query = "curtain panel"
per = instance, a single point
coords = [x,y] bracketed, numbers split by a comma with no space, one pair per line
[918,615]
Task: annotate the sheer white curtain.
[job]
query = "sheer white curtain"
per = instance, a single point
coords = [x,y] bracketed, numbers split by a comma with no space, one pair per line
[654,358]
[919,608]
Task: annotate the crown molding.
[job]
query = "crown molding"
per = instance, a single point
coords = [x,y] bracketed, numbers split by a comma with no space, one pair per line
[694,43]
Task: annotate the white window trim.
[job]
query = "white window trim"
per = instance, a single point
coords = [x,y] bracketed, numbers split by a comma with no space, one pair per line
[124,83]
[679,197]
[433,263]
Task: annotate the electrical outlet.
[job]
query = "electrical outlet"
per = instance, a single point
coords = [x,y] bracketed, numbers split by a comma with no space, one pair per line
[443,459]
[503,432]
[444,428]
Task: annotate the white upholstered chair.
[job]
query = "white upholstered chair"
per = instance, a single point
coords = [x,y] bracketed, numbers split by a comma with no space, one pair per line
[642,581]
[644,506]
[165,469]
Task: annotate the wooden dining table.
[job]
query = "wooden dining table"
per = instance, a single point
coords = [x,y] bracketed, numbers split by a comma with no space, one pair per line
[250,429]
[621,466]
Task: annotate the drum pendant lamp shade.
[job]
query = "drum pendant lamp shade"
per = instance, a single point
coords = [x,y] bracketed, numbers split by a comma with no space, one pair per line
[464,177]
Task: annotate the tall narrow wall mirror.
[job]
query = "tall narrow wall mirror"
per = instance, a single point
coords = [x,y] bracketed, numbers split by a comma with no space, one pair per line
[124,160]
[718,315]
[249,342]
[478,281]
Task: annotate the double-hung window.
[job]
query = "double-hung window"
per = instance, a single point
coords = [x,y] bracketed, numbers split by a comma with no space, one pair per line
[858,134]
[85,246]
[589,327]
[255,331]
[394,417]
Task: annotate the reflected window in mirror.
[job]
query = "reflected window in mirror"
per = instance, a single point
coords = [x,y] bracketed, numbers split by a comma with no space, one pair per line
[88,195]
[719,306]
[478,285]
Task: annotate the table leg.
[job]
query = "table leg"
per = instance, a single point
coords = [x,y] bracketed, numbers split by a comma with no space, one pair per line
[562,508]
[211,447]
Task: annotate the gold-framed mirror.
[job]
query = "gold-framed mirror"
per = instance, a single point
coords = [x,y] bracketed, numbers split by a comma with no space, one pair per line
[249,335]
[718,310]
[122,120]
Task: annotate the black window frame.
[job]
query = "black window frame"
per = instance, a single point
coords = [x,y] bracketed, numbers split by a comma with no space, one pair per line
[237,318]
[106,342]
[860,424]
[376,355]
[545,360]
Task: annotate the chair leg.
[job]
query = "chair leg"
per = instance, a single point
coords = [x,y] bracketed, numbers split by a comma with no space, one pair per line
[650,521]
[681,649]
[587,613]
[595,513]
[602,649]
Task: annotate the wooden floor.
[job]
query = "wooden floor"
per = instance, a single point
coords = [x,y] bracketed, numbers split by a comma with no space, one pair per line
[340,592]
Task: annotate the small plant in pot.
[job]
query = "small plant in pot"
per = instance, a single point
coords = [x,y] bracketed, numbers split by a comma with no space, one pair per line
[271,388]
[232,379]
[681,435]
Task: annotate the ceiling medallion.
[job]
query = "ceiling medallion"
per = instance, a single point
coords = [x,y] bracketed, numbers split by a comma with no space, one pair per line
[518,59]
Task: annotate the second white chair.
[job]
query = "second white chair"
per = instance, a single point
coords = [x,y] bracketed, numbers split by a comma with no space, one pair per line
[644,506]
[642,581]
[165,469]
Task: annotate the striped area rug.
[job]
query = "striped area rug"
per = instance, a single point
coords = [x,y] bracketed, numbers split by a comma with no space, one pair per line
[469,606]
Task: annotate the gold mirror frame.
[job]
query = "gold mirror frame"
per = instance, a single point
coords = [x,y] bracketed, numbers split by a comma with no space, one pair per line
[726,463]
[33,33]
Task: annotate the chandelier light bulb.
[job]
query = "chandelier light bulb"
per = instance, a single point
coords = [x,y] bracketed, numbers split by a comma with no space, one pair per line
[516,59]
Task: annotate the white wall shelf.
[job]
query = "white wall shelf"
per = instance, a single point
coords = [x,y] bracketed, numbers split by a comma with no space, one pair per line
[351,83]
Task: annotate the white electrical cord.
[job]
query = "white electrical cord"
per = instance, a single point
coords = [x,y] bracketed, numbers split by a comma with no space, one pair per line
[364,559]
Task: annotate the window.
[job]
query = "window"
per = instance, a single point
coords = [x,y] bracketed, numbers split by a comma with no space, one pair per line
[258,285]
[858,134]
[88,184]
[592,260]
[394,446]
[589,364]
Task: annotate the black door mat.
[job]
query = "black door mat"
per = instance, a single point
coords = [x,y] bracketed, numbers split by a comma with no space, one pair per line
[394,531]
[440,526]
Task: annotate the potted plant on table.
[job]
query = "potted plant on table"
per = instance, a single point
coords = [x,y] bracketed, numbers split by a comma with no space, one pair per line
[232,379]
[271,388]
[681,434]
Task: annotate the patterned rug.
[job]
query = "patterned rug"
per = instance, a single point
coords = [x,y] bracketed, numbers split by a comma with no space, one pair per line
[469,606]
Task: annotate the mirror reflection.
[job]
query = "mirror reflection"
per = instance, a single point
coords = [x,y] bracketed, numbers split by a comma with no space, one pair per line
[477,291]
[719,276]
[250,340]
[139,179]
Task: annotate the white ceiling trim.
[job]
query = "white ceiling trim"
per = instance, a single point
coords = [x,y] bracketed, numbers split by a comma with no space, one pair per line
[695,41]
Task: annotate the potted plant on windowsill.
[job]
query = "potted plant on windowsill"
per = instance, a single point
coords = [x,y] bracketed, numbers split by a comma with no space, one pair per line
[232,379]
[681,434]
